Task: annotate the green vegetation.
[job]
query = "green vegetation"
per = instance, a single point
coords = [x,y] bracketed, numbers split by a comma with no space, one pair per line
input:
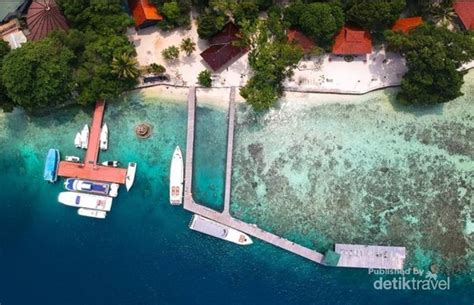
[188,46]
[125,66]
[93,60]
[204,78]
[320,21]
[374,14]
[170,53]
[39,74]
[5,102]
[272,59]
[176,13]
[156,69]
[434,55]
[210,23]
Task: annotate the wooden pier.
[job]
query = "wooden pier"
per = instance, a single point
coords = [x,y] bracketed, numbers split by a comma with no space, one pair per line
[367,259]
[90,170]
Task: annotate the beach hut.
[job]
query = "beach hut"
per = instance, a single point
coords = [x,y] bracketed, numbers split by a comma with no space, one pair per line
[43,17]
[303,41]
[352,41]
[407,24]
[144,13]
[465,11]
[221,50]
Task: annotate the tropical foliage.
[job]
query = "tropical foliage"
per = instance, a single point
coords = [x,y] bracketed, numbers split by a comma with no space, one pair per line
[204,78]
[156,69]
[188,46]
[176,13]
[5,102]
[170,53]
[321,21]
[434,55]
[210,23]
[39,74]
[125,66]
[272,59]
[374,14]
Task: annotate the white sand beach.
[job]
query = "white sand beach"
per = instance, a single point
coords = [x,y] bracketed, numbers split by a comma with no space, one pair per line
[318,74]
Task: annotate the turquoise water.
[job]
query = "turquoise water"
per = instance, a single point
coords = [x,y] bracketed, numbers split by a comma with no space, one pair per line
[143,252]
[368,171]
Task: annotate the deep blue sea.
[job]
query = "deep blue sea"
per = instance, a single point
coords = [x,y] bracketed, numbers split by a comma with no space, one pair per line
[143,252]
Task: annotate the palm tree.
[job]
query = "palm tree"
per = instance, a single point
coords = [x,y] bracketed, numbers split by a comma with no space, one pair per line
[188,46]
[125,66]
[442,13]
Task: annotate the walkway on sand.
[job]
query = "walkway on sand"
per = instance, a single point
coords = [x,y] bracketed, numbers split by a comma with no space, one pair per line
[360,256]
[90,170]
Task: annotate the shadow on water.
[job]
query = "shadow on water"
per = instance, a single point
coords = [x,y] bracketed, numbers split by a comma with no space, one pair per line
[416,110]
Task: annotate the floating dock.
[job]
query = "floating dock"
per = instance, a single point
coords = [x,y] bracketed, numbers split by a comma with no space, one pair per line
[90,169]
[367,259]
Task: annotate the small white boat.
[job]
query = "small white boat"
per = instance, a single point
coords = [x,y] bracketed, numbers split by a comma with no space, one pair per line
[114,188]
[215,229]
[111,163]
[88,201]
[85,136]
[176,177]
[77,140]
[104,137]
[91,213]
[72,159]
[131,170]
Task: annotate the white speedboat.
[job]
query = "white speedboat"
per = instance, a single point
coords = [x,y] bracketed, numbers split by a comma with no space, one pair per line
[213,228]
[72,159]
[131,170]
[85,136]
[91,213]
[88,201]
[77,140]
[111,163]
[104,137]
[176,177]
[114,188]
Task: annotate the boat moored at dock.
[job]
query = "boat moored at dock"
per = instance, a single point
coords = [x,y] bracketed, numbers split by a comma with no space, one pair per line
[78,140]
[72,159]
[111,163]
[176,177]
[101,188]
[215,229]
[91,213]
[88,201]
[51,166]
[85,136]
[104,137]
[130,178]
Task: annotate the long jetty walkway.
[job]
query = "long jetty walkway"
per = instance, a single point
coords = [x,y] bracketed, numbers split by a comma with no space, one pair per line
[225,217]
[89,169]
[359,256]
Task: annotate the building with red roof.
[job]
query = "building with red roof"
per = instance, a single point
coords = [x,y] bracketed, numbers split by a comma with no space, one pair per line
[352,41]
[407,24]
[144,13]
[296,36]
[221,50]
[43,17]
[465,11]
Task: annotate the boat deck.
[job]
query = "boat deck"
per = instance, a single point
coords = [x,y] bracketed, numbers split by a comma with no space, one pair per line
[90,170]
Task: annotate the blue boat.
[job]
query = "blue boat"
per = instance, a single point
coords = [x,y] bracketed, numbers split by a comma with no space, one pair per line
[51,166]
[73,184]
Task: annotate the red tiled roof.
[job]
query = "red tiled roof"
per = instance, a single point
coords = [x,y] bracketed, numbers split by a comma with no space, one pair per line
[43,17]
[407,24]
[221,49]
[300,39]
[143,11]
[352,41]
[465,11]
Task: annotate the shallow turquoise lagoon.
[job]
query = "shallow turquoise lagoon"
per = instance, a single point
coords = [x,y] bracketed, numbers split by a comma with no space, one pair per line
[143,252]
